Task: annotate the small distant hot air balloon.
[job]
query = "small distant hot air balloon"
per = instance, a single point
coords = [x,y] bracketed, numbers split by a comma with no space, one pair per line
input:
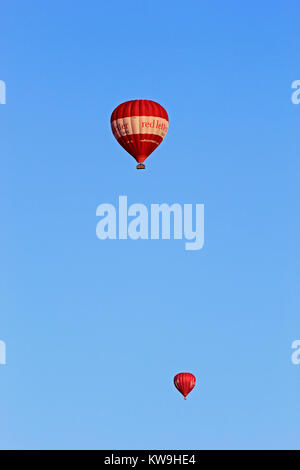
[184,382]
[139,126]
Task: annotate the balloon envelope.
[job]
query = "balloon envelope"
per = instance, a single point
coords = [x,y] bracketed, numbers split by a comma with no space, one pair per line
[184,382]
[139,126]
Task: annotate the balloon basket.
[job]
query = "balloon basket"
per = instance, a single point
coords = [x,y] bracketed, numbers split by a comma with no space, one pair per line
[140,166]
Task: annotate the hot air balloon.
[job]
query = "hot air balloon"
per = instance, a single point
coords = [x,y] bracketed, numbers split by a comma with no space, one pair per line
[184,382]
[139,126]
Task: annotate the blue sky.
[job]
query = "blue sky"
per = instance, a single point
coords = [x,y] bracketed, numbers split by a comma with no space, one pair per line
[96,330]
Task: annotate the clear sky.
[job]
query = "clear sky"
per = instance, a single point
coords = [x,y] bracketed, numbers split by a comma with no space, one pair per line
[96,330]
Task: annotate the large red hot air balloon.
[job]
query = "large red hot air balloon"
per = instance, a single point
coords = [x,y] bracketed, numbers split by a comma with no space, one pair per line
[184,382]
[139,126]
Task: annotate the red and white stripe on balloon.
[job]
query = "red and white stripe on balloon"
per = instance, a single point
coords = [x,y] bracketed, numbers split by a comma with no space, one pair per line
[139,126]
